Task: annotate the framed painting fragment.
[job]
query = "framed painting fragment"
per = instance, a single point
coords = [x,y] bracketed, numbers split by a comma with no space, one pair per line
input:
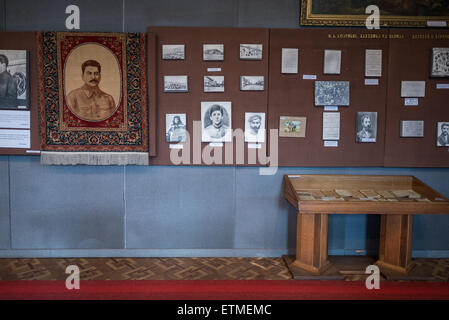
[93,98]
[393,13]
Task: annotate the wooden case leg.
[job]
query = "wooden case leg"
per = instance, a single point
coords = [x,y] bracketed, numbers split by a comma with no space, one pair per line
[395,248]
[311,243]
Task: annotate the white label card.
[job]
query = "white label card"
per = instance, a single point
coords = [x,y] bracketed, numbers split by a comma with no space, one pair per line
[213,69]
[216,144]
[15,138]
[309,77]
[436,23]
[176,146]
[371,82]
[442,85]
[331,144]
[14,119]
[411,101]
[330,108]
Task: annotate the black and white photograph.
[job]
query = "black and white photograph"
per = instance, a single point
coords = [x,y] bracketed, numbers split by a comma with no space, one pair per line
[213,52]
[252,83]
[216,121]
[440,62]
[175,127]
[214,84]
[251,51]
[254,127]
[176,84]
[443,134]
[332,93]
[173,52]
[366,127]
[14,92]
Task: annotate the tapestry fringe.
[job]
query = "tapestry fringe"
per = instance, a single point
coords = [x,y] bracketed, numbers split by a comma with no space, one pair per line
[95,158]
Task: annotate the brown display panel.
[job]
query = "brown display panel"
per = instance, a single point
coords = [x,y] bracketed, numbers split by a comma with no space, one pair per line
[195,68]
[290,95]
[26,41]
[410,60]
[152,93]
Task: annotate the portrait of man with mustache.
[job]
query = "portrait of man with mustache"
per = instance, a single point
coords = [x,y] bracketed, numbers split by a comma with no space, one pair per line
[89,102]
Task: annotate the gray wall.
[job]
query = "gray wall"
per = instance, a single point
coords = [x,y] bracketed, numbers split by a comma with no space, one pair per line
[172,211]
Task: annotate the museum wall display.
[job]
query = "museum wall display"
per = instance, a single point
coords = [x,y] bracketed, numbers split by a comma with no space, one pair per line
[213,77]
[161,210]
[19,104]
[328,94]
[341,77]
[417,114]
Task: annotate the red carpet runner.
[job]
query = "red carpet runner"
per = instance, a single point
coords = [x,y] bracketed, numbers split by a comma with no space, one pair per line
[222,290]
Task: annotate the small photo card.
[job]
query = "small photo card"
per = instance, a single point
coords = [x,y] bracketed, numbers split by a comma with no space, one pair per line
[213,52]
[176,84]
[173,52]
[366,127]
[214,84]
[251,51]
[293,127]
[443,134]
[175,127]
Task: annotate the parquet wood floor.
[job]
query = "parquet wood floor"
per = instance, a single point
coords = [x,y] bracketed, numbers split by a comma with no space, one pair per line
[170,269]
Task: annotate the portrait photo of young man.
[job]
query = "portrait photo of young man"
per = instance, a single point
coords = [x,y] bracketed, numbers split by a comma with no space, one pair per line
[216,121]
[443,134]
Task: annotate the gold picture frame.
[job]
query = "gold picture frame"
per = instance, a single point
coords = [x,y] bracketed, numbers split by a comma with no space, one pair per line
[391,16]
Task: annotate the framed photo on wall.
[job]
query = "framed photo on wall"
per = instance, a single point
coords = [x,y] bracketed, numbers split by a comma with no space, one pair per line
[216,120]
[252,83]
[176,84]
[443,134]
[213,52]
[175,127]
[254,127]
[14,89]
[213,83]
[440,62]
[173,52]
[366,127]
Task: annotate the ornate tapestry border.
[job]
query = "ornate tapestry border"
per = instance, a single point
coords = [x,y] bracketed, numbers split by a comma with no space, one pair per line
[134,139]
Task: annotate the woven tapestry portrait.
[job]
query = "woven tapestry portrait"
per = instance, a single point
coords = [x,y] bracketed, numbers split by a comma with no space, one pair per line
[93,98]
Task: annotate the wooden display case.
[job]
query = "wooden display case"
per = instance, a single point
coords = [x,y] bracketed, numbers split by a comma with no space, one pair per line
[395,198]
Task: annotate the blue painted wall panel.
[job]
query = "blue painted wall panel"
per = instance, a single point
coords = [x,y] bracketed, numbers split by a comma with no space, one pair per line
[180,207]
[263,218]
[5,242]
[213,13]
[65,207]
[269,13]
[49,15]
